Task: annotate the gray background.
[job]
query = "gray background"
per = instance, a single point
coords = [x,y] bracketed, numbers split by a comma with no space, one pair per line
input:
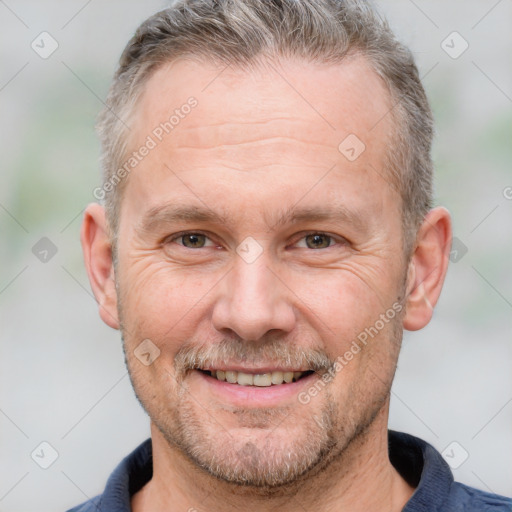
[62,374]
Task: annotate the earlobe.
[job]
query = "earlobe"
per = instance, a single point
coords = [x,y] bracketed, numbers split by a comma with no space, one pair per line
[427,268]
[97,251]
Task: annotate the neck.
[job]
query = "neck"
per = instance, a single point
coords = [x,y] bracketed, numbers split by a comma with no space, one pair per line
[360,479]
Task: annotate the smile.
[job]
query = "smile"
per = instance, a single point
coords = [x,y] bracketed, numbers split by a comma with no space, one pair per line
[273,378]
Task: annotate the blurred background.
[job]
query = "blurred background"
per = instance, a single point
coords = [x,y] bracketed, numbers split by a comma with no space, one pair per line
[63,382]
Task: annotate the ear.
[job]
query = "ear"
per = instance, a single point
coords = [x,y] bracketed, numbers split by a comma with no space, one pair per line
[427,268]
[97,251]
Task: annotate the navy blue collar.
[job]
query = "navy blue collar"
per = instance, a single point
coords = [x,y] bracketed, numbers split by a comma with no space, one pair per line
[422,467]
[419,463]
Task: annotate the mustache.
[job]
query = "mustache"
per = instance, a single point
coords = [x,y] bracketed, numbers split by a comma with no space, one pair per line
[192,356]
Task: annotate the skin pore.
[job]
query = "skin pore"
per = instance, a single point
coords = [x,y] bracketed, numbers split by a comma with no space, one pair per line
[248,242]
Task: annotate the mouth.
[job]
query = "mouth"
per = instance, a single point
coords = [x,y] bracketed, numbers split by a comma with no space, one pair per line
[257,378]
[247,387]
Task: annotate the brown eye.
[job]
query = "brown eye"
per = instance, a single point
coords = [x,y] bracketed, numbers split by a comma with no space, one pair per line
[193,240]
[318,241]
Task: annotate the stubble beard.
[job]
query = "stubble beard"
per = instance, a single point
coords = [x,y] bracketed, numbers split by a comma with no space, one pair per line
[266,467]
[271,464]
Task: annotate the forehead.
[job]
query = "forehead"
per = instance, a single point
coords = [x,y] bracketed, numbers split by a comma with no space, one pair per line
[285,123]
[338,99]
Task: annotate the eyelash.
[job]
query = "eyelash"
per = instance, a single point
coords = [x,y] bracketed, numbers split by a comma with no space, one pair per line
[337,239]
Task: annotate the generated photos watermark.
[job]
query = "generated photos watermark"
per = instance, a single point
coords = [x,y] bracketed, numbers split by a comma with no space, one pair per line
[156,136]
[341,361]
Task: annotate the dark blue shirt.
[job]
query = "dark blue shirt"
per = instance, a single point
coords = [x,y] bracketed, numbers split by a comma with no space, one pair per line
[419,463]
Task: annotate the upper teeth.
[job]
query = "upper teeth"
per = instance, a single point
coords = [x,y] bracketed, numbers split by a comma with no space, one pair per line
[259,379]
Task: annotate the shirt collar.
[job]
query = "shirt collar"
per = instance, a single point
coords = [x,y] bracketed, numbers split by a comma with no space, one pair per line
[419,463]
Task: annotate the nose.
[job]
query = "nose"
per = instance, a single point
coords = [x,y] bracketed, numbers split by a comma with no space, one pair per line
[252,301]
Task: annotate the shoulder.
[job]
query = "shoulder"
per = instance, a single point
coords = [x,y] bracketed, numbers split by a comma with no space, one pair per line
[468,499]
[131,474]
[425,469]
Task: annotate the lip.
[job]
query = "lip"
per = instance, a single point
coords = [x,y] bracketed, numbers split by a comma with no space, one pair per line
[253,371]
[249,396]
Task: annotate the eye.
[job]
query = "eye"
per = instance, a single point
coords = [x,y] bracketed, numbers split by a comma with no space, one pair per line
[314,240]
[317,241]
[191,240]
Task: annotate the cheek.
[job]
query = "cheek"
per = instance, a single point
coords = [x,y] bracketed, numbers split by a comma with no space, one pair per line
[344,302]
[161,304]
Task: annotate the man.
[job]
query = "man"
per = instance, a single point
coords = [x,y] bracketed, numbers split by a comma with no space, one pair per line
[267,234]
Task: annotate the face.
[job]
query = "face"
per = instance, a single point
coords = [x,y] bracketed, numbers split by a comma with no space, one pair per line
[253,251]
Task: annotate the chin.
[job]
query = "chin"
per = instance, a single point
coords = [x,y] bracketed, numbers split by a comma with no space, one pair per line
[263,449]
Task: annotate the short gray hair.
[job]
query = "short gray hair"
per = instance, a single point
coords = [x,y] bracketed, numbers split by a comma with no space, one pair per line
[240,32]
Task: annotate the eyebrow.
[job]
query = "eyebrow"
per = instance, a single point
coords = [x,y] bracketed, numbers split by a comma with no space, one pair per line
[331,213]
[173,214]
